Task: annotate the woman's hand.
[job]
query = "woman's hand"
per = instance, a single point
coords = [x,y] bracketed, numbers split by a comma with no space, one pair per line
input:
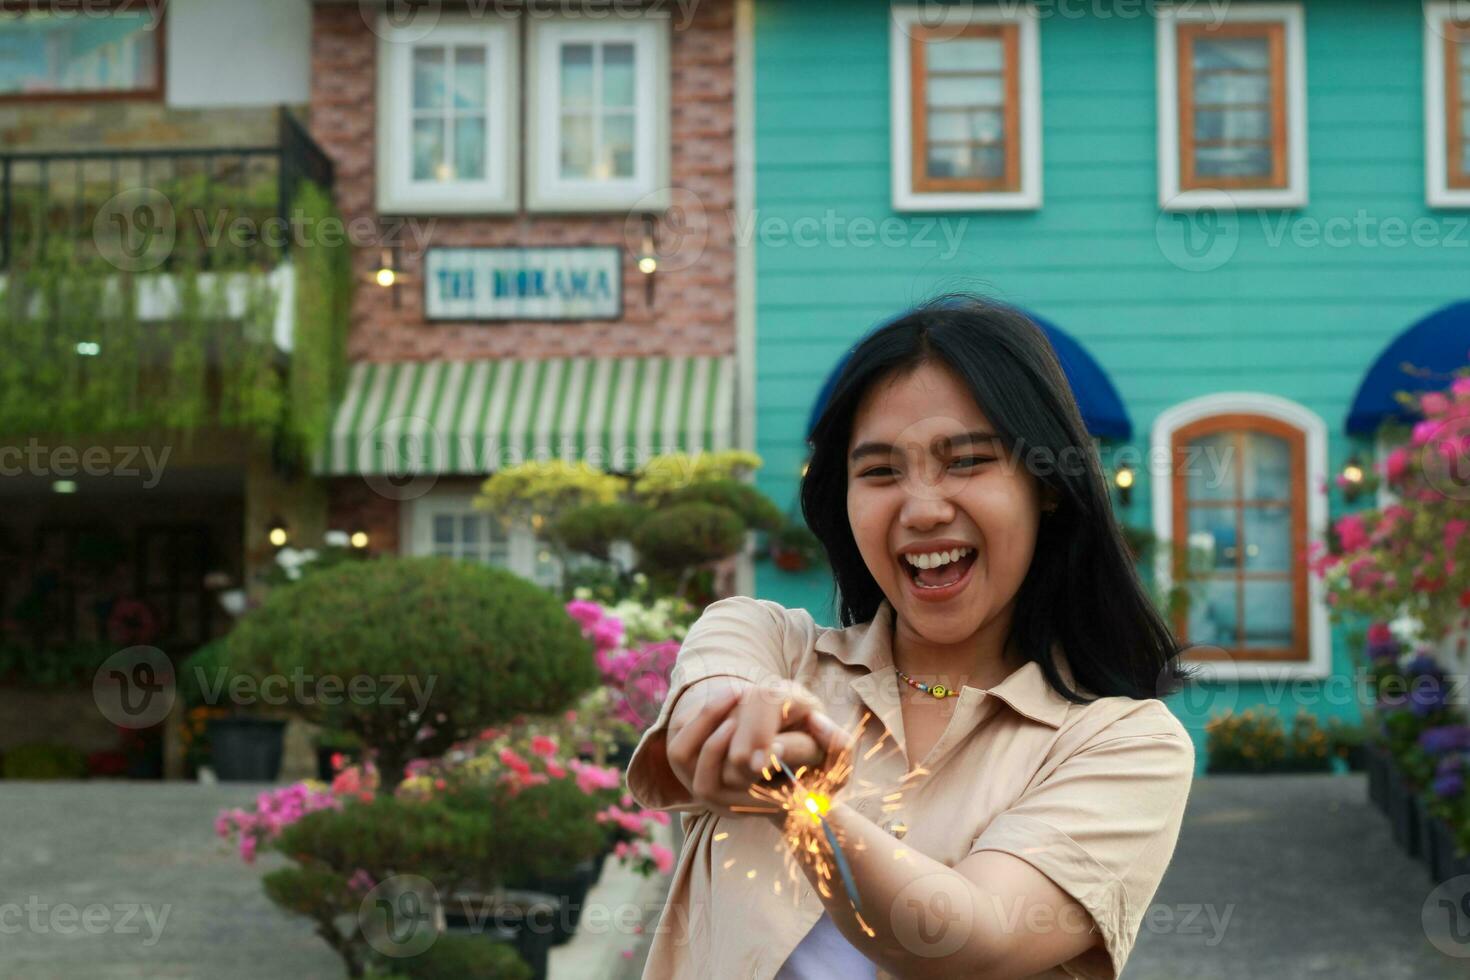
[719,742]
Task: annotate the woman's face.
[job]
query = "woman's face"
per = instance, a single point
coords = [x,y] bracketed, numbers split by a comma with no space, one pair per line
[927,478]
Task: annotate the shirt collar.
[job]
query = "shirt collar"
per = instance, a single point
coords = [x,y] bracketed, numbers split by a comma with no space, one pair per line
[1025,690]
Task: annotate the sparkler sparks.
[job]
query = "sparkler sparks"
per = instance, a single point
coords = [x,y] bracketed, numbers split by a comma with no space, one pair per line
[806,798]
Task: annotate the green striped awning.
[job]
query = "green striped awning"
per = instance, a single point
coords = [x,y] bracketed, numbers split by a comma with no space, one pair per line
[479,416]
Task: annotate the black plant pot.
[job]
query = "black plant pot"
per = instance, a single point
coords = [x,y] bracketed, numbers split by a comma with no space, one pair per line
[526,920]
[246,750]
[1356,757]
[1447,864]
[1428,843]
[1378,763]
[571,891]
[1402,802]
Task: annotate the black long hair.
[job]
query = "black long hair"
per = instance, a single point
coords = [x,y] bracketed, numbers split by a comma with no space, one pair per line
[1082,589]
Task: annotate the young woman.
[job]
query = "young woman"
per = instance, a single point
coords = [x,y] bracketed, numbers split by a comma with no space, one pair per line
[1017,787]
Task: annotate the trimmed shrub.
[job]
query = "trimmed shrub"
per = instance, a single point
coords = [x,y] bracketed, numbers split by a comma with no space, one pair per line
[753,507]
[592,529]
[688,534]
[460,957]
[441,647]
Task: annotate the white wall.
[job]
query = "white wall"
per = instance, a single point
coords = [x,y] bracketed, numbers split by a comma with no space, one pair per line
[238,52]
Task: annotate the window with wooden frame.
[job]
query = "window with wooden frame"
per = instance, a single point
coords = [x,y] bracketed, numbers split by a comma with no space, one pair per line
[1232,105]
[1447,102]
[1232,116]
[965,109]
[966,123]
[109,50]
[1239,494]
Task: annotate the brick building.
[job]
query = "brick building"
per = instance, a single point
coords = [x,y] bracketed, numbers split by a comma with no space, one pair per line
[554,191]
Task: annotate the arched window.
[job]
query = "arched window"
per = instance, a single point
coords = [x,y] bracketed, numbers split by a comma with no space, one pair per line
[1240,505]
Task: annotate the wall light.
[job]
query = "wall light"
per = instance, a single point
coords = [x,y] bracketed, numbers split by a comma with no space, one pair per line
[388,273]
[278,533]
[648,259]
[359,539]
[1124,480]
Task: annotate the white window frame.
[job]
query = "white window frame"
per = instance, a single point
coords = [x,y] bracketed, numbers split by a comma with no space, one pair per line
[416,532]
[398,193]
[1438,191]
[648,188]
[1294,195]
[1314,431]
[902,20]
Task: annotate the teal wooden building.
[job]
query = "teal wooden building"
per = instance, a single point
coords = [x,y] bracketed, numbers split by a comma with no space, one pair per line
[1238,221]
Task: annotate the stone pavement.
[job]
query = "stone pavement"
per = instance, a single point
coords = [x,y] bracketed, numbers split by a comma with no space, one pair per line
[1275,878]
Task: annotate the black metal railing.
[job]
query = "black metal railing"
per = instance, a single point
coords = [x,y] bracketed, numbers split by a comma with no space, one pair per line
[210,204]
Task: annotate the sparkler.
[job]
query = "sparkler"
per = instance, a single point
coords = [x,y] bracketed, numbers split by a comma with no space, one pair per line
[806,797]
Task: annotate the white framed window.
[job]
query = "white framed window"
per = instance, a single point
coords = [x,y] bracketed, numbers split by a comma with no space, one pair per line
[1243,491]
[1232,106]
[445,522]
[447,116]
[598,122]
[1447,103]
[965,108]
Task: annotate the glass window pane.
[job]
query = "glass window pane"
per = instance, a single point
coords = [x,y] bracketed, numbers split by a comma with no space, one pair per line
[1232,161]
[965,54]
[469,78]
[1232,124]
[1212,544]
[982,125]
[617,146]
[469,148]
[1268,538]
[576,75]
[1267,614]
[469,528]
[1267,467]
[1234,52]
[1209,467]
[1231,89]
[966,162]
[617,75]
[576,145]
[1213,612]
[41,51]
[1465,56]
[428,78]
[428,149]
[984,90]
[443,529]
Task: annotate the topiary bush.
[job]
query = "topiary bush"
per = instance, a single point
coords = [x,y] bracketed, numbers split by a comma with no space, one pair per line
[460,957]
[593,529]
[688,534]
[754,508]
[414,654]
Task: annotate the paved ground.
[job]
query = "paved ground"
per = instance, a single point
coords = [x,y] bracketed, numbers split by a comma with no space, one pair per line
[1275,878]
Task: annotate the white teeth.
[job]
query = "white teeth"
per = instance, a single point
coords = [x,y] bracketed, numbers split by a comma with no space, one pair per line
[937,558]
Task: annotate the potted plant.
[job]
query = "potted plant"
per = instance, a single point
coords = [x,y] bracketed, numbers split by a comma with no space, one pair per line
[793,547]
[245,743]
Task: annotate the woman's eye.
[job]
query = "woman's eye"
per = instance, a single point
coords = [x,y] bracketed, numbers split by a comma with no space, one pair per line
[971,460]
[877,471]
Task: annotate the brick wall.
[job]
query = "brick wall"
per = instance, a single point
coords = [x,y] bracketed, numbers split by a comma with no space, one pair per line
[694,308]
[353,505]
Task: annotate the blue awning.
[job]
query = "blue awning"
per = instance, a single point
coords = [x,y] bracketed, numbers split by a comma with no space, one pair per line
[1102,409]
[1422,358]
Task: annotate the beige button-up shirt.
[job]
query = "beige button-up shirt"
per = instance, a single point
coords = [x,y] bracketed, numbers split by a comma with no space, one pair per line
[1091,795]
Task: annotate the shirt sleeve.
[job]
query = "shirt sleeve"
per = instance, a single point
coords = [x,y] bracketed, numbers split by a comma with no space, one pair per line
[734,637]
[1103,826]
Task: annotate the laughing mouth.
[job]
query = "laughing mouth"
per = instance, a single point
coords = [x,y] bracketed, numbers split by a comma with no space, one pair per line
[938,570]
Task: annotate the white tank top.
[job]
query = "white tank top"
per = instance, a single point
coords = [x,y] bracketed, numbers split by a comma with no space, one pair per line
[825,954]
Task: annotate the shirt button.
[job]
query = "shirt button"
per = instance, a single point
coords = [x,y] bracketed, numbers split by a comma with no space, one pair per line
[897,828]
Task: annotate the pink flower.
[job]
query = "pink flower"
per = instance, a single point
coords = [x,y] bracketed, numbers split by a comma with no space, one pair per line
[510,759]
[1397,464]
[1461,386]
[555,770]
[543,745]
[1423,431]
[1350,532]
[662,857]
[1434,403]
[584,612]
[591,779]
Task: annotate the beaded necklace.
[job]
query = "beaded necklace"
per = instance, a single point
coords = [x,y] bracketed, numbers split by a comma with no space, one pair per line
[936,690]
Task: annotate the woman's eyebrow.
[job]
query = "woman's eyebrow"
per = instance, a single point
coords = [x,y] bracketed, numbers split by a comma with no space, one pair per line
[886,449]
